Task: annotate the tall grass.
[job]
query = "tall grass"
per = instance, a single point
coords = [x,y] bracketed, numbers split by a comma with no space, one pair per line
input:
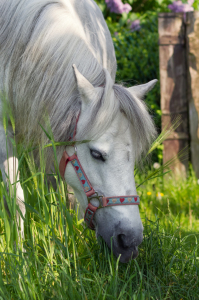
[60,258]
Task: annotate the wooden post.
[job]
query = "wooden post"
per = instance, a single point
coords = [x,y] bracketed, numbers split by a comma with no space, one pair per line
[192,45]
[173,81]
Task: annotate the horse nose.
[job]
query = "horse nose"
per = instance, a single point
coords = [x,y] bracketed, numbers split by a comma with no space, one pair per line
[124,241]
[129,240]
[127,245]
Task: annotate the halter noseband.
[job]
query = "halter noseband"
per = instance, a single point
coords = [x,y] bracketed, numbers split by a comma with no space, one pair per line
[89,190]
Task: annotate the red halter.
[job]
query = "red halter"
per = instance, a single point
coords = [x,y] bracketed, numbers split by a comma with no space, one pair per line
[89,190]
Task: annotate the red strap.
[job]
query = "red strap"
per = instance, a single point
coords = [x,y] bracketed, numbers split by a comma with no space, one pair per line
[63,163]
[65,157]
[121,200]
[89,215]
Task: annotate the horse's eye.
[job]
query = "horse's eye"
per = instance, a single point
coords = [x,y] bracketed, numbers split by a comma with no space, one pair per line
[97,155]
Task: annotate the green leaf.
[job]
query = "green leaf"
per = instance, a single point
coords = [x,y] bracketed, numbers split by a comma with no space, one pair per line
[45,132]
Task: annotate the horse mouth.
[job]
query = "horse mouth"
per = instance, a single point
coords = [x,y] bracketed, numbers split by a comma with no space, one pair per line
[126,254]
[129,255]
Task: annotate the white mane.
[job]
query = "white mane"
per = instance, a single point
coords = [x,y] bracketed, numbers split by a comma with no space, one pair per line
[40,40]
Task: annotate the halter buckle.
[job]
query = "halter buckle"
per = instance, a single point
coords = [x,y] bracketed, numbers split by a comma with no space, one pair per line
[98,197]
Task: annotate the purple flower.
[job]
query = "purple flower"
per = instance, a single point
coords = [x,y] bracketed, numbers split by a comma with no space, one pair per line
[135,25]
[117,6]
[178,6]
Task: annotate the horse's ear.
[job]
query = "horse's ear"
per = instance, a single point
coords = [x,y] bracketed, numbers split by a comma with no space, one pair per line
[85,88]
[141,90]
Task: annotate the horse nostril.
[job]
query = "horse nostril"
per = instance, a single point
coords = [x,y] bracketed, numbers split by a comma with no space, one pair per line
[127,246]
[123,241]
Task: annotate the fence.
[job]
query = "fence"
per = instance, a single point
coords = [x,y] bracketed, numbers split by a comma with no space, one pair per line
[179,81]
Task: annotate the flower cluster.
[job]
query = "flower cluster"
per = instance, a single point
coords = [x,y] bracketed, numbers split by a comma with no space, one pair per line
[178,6]
[135,25]
[117,6]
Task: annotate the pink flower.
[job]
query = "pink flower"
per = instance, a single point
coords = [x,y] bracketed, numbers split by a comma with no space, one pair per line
[178,6]
[135,25]
[190,2]
[117,6]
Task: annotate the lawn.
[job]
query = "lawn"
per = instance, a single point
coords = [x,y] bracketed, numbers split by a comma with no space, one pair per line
[60,258]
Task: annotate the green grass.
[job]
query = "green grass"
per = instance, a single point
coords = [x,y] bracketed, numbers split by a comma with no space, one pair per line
[61,258]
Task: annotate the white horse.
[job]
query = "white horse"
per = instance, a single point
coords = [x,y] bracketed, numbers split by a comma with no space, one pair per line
[57,58]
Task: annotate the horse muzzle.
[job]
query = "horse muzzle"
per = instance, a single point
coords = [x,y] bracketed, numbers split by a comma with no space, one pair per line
[124,243]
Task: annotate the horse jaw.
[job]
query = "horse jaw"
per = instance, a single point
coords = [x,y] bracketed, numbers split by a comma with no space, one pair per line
[119,226]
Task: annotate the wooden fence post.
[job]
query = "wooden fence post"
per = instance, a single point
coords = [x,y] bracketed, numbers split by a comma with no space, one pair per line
[173,83]
[192,46]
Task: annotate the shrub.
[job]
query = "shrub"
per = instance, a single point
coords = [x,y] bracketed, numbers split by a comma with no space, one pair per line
[138,57]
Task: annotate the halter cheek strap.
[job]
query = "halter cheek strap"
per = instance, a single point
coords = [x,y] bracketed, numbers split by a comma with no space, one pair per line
[87,187]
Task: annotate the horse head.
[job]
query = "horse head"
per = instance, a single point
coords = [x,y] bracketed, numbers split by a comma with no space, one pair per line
[108,159]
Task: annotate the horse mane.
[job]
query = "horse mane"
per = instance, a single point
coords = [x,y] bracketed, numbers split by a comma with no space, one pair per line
[40,40]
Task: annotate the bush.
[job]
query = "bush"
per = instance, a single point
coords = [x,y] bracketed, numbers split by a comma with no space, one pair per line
[138,57]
